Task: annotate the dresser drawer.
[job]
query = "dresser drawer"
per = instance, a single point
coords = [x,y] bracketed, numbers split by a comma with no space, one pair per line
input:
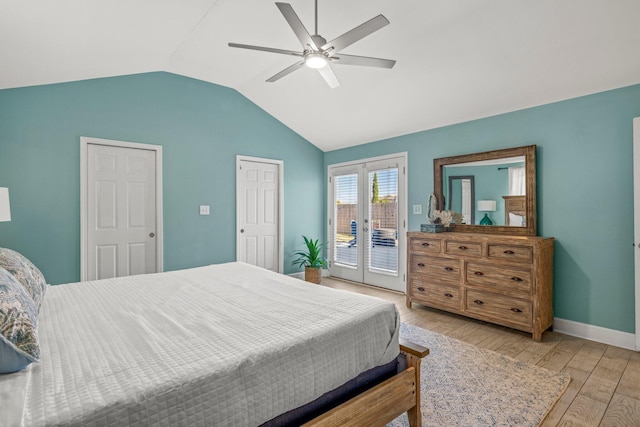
[511,280]
[466,249]
[513,253]
[431,246]
[503,279]
[507,309]
[443,269]
[439,295]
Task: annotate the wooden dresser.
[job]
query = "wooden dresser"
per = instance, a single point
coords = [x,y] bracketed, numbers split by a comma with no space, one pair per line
[503,279]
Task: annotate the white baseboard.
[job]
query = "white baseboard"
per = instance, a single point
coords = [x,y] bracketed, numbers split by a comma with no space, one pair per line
[595,333]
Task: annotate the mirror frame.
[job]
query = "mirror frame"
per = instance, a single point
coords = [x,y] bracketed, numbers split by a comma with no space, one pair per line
[529,153]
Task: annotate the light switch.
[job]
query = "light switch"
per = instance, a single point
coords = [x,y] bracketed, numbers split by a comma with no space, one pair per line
[204,210]
[417,209]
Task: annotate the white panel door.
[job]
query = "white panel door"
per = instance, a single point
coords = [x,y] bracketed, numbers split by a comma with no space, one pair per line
[121,211]
[258,206]
[636,218]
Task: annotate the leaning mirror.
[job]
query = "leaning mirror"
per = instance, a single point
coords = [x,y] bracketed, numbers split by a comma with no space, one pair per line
[461,196]
[495,191]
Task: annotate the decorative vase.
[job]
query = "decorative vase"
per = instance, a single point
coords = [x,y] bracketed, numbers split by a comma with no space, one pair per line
[312,275]
[486,220]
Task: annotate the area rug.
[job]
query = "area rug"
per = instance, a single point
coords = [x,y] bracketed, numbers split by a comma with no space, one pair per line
[463,385]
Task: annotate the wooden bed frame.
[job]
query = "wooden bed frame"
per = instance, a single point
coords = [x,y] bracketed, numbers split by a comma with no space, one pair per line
[383,403]
[516,205]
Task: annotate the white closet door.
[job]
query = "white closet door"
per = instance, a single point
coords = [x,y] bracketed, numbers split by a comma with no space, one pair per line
[258,207]
[636,217]
[121,211]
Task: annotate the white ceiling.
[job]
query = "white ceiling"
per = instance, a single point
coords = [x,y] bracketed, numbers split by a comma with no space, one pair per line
[456,60]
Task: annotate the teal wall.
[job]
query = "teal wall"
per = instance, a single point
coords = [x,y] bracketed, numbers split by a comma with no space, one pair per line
[585,191]
[201,127]
[585,182]
[454,202]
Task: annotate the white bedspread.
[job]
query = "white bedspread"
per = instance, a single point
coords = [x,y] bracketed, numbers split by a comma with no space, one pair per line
[224,345]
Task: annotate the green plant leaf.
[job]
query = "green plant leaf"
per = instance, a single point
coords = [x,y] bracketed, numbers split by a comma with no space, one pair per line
[312,256]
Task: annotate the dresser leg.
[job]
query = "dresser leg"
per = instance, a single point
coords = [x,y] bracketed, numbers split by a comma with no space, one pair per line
[408,303]
[537,336]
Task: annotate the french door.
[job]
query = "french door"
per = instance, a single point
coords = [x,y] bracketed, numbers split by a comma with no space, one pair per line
[367,221]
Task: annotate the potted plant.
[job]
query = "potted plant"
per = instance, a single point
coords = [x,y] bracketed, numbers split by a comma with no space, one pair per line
[312,260]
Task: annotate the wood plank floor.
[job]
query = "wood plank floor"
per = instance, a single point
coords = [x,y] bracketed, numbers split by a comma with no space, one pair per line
[605,380]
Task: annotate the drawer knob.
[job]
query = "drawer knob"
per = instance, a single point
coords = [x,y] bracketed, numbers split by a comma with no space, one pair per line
[516,279]
[425,244]
[448,268]
[462,248]
[448,295]
[478,302]
[516,310]
[479,273]
[509,252]
[420,264]
[421,289]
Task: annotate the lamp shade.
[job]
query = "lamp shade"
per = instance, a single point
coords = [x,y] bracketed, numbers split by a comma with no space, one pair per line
[5,210]
[486,205]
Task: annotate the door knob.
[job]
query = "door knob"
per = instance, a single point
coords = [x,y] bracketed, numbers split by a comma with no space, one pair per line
[242,230]
[152,234]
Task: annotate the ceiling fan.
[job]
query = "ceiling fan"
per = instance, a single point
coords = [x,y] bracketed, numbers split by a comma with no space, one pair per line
[317,53]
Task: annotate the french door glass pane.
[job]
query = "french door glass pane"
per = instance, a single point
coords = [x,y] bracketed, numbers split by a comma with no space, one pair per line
[383,221]
[345,216]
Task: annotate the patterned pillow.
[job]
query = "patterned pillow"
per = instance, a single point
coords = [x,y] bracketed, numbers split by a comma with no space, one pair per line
[26,273]
[18,325]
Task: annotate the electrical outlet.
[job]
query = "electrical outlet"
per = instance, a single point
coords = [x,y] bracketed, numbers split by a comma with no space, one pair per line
[417,209]
[204,210]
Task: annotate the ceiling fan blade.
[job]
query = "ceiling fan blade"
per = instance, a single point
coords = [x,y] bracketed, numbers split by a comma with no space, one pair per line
[358,33]
[297,26]
[329,76]
[265,49]
[363,61]
[285,72]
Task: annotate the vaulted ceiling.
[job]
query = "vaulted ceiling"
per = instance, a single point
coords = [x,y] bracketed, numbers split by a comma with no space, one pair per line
[456,60]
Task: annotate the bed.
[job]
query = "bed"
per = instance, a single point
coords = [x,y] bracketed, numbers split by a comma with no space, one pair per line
[515,210]
[228,344]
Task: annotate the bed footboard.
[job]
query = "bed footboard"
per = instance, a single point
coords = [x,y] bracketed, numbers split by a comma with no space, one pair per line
[414,354]
[384,402]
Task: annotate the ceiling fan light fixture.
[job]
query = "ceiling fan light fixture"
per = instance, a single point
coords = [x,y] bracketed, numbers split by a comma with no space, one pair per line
[315,60]
[316,53]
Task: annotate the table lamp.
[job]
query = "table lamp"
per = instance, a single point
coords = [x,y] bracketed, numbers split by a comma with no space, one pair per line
[486,206]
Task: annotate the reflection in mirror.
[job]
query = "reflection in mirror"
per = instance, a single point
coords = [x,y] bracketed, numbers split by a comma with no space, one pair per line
[503,178]
[461,197]
[493,179]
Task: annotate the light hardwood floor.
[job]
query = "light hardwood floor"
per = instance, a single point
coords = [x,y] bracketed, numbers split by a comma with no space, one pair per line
[605,380]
